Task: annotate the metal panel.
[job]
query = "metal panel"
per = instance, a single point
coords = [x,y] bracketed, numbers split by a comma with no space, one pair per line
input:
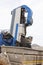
[15,20]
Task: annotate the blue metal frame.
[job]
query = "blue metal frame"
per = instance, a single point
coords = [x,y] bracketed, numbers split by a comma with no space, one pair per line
[29,17]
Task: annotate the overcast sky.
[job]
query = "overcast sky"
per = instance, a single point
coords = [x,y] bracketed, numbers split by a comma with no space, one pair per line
[36,30]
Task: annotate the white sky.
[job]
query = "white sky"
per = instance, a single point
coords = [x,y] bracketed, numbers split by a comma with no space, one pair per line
[36,30]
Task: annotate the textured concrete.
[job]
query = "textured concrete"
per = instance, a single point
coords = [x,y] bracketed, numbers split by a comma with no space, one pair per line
[23,55]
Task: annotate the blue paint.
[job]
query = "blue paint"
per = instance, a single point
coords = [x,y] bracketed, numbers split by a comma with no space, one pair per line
[6,42]
[29,17]
[1,39]
[15,38]
[12,41]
